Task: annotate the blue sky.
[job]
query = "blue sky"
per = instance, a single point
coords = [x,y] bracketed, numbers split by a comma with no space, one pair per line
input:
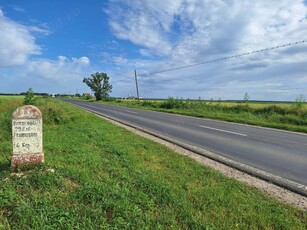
[52,45]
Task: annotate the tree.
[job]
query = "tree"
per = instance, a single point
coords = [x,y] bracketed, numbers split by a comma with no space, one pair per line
[29,97]
[246,98]
[99,84]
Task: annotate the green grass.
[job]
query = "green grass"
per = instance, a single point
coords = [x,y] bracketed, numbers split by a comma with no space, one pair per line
[287,116]
[108,178]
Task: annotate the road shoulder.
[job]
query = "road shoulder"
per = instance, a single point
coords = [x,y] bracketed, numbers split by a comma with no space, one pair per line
[272,190]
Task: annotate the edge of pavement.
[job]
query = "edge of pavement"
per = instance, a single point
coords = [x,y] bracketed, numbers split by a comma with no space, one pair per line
[282,182]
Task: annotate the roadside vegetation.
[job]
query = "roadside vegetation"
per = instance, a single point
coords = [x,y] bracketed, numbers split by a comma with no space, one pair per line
[100,176]
[288,116]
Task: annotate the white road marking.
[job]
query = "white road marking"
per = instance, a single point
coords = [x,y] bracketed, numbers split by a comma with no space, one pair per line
[225,131]
[131,112]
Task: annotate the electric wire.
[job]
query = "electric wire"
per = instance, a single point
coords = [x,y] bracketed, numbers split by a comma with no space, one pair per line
[225,58]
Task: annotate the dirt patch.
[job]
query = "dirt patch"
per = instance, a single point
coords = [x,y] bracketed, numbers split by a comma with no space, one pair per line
[272,190]
[70,183]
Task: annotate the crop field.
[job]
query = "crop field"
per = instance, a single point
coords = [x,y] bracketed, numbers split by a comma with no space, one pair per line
[100,176]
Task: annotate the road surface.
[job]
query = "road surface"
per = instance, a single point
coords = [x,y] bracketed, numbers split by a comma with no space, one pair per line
[277,152]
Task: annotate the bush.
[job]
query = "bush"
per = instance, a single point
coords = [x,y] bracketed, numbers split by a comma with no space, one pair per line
[300,101]
[292,119]
[241,108]
[271,110]
[298,111]
[29,97]
[52,114]
[87,97]
[172,103]
[109,99]
[149,104]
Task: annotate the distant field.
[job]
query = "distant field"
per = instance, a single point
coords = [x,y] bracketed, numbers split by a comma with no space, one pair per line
[287,116]
[254,104]
[108,178]
[10,97]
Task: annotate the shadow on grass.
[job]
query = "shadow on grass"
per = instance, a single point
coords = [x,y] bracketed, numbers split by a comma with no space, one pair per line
[5,166]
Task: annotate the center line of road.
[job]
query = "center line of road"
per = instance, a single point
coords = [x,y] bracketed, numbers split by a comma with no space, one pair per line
[131,112]
[221,130]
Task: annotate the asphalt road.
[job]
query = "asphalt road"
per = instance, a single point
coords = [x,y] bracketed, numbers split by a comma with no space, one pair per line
[277,152]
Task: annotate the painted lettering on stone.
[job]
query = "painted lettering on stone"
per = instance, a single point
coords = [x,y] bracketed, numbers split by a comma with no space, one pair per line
[27,133]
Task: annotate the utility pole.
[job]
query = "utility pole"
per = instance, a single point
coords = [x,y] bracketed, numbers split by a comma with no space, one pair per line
[136,83]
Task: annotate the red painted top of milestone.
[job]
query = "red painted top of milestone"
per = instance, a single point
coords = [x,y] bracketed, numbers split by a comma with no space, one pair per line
[27,112]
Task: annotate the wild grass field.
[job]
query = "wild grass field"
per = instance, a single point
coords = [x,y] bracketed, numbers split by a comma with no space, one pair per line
[100,176]
[287,116]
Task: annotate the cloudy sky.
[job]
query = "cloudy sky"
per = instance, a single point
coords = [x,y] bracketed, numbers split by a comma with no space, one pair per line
[52,45]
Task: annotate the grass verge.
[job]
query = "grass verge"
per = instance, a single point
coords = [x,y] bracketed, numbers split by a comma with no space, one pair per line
[286,116]
[106,177]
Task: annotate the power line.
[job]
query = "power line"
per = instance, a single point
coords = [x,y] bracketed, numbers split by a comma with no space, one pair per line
[226,58]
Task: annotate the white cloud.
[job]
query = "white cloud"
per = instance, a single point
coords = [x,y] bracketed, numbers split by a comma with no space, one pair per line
[81,60]
[196,28]
[18,8]
[63,68]
[191,31]
[138,22]
[17,42]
